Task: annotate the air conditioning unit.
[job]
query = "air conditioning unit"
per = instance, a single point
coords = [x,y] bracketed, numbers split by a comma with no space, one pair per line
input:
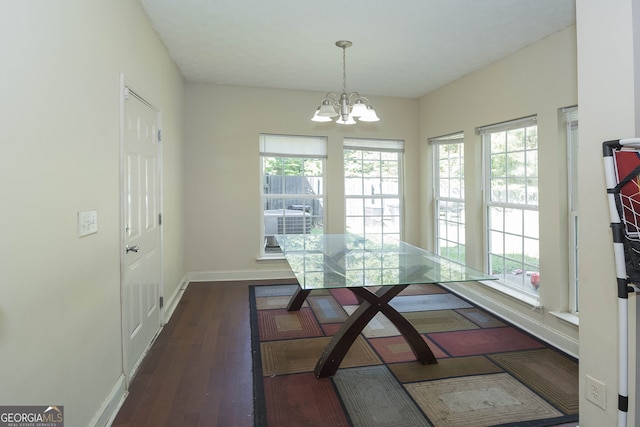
[286,221]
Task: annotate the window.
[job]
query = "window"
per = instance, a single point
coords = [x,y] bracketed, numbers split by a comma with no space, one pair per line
[511,203]
[292,172]
[571,120]
[373,187]
[448,154]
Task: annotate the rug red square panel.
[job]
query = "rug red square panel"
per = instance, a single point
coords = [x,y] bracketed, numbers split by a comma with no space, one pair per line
[483,341]
[302,400]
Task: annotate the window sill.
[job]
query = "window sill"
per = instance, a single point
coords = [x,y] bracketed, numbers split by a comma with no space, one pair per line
[267,258]
[531,300]
[571,318]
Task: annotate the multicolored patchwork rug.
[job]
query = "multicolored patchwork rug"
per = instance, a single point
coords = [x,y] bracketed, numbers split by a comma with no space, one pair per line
[489,373]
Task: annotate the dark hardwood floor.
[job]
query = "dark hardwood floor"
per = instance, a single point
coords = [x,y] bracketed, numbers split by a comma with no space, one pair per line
[199,370]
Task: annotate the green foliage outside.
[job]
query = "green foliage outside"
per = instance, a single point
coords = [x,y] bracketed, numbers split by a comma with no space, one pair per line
[292,166]
[509,264]
[497,264]
[358,163]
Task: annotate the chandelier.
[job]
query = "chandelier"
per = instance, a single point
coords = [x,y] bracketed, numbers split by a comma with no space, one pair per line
[346,106]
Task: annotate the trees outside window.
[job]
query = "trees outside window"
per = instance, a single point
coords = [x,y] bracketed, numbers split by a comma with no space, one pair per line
[511,203]
[448,154]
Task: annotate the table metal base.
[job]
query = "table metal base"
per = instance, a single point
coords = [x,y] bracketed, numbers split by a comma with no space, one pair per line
[372,303]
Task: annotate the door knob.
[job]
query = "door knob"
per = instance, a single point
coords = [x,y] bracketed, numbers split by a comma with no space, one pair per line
[132,248]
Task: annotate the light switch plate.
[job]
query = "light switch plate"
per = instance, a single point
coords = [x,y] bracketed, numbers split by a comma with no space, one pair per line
[87,223]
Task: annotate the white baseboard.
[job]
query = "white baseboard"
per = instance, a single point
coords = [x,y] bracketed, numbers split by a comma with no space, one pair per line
[529,324]
[111,405]
[215,276]
[172,302]
[114,401]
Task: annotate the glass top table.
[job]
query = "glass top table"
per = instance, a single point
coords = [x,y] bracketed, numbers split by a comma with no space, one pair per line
[321,261]
[375,271]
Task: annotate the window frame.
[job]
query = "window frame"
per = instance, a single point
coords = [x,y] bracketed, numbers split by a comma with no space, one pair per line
[459,223]
[571,121]
[289,147]
[522,208]
[376,146]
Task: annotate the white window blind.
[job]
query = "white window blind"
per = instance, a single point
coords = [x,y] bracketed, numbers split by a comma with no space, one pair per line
[455,138]
[293,145]
[374,144]
[507,126]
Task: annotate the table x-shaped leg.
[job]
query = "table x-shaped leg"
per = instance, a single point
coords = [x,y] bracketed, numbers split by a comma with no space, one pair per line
[373,303]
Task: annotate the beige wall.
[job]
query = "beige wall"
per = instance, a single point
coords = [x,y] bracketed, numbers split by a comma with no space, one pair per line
[60,329]
[608,98]
[538,80]
[222,169]
[60,306]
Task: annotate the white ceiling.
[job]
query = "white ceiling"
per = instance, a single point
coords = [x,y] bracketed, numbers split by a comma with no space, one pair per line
[401,48]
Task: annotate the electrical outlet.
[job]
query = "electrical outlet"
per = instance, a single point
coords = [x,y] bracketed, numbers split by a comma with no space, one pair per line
[596,392]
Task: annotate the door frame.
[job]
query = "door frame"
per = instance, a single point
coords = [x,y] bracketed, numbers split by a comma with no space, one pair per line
[126,89]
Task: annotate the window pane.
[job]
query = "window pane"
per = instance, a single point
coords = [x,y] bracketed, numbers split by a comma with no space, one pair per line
[499,142]
[371,168]
[499,190]
[353,186]
[292,190]
[531,225]
[498,165]
[372,189]
[496,242]
[532,163]
[515,140]
[455,188]
[513,244]
[390,186]
[531,138]
[389,168]
[515,164]
[445,187]
[531,252]
[516,190]
[513,221]
[371,155]
[449,161]
[313,167]
[292,166]
[355,224]
[496,218]
[532,192]
[354,207]
[372,186]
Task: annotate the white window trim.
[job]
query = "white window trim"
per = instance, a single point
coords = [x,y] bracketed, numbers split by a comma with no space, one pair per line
[381,145]
[529,298]
[299,146]
[571,120]
[456,138]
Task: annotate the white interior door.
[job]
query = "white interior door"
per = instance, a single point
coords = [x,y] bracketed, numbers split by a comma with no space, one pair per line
[141,242]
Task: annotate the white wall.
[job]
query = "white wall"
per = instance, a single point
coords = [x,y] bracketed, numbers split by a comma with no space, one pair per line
[538,80]
[608,94]
[222,170]
[60,331]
